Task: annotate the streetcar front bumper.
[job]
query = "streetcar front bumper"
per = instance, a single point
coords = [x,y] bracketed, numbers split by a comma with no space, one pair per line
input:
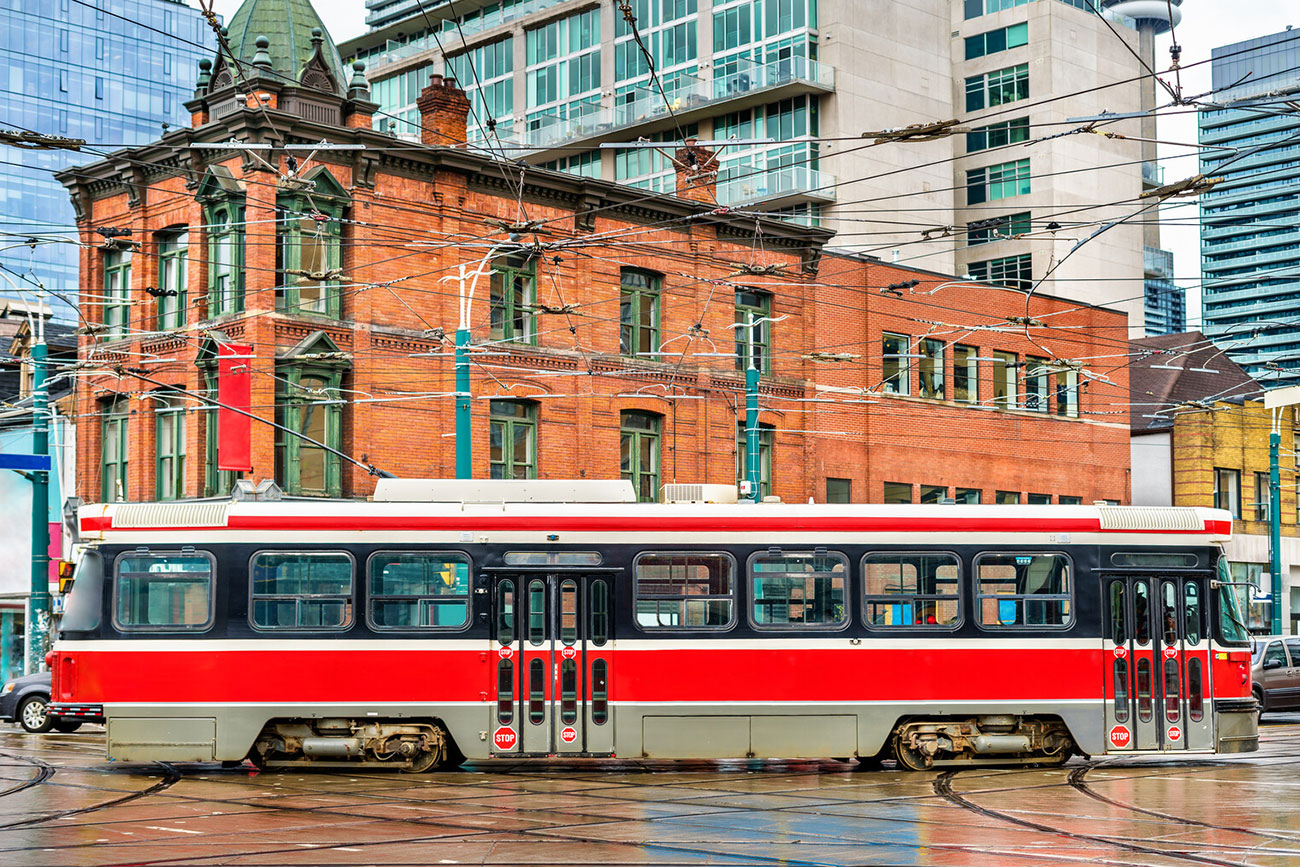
[1237,725]
[92,713]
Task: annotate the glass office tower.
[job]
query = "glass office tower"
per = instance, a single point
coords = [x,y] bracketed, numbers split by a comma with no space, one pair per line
[1250,243]
[107,71]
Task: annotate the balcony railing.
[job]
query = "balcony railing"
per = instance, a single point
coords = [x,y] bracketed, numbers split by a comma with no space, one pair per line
[684,93]
[1153,174]
[777,183]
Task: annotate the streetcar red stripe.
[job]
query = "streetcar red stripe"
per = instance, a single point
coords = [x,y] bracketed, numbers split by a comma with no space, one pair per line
[658,524]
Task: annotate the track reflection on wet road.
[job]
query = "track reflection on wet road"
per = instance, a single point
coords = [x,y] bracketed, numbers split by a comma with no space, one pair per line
[62,803]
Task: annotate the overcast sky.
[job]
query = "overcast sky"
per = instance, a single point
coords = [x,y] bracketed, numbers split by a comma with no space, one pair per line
[1206,24]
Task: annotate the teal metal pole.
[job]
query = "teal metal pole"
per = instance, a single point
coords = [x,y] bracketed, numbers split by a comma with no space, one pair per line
[751,430]
[464,443]
[38,616]
[1275,529]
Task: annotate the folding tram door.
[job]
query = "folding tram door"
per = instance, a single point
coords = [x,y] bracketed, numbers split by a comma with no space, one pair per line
[1157,663]
[552,636]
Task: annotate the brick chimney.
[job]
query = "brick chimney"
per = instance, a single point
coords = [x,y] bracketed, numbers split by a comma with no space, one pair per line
[444,113]
[697,173]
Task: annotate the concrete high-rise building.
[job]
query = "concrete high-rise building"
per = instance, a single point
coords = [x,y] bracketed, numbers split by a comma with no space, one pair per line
[108,73]
[1250,244]
[555,78]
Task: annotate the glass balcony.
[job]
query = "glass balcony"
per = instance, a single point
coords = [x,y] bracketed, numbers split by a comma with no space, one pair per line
[786,182]
[1153,174]
[1157,262]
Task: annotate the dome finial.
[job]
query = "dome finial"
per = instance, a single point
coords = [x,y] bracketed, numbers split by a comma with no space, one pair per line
[262,57]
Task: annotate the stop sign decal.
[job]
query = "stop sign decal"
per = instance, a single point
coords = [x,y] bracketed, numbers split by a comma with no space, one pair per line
[1171,652]
[568,734]
[505,738]
[1175,733]
[1120,736]
[569,652]
[505,652]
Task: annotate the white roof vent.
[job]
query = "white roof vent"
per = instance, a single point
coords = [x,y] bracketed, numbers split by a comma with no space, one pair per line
[699,494]
[1149,518]
[170,514]
[504,491]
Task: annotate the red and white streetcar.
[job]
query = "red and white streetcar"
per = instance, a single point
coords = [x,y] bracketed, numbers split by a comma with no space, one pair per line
[446,620]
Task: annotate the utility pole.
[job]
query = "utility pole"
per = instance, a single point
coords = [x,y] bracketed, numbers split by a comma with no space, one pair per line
[752,462]
[38,617]
[464,418]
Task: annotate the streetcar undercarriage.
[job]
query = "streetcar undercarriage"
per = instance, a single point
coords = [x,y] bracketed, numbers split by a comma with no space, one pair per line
[409,745]
[922,744]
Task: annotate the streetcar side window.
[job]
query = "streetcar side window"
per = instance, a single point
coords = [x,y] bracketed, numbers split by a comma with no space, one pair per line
[302,590]
[1018,591]
[912,591]
[418,590]
[163,591]
[799,589]
[685,591]
[1232,628]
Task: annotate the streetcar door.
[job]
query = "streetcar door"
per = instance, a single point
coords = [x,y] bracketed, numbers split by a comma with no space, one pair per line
[1157,664]
[553,637]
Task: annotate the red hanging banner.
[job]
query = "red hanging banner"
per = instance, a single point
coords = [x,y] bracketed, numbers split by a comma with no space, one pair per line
[234,392]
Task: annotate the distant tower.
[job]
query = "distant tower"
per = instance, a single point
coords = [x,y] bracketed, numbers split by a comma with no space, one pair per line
[1165,306]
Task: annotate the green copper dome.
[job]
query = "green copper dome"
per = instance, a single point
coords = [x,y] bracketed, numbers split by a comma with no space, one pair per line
[288,24]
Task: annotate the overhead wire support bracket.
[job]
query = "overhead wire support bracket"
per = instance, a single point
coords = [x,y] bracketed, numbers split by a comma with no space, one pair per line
[1192,186]
[917,132]
[40,141]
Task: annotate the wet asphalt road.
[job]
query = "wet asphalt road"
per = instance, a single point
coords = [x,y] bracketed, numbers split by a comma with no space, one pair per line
[62,803]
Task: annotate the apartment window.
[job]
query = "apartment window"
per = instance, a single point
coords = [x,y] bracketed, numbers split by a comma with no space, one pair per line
[997,40]
[114,452]
[117,293]
[895,370]
[173,257]
[839,490]
[1063,500]
[1067,393]
[1001,181]
[513,298]
[996,135]
[997,229]
[309,250]
[965,374]
[1007,498]
[1004,380]
[997,88]
[766,442]
[931,369]
[639,452]
[1014,272]
[216,482]
[976,8]
[169,450]
[308,404]
[933,493]
[753,330]
[638,313]
[512,439]
[1227,491]
[1037,377]
[1262,496]
[968,496]
[897,492]
[1038,499]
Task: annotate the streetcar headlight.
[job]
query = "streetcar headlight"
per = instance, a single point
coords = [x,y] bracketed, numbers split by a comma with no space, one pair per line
[8,688]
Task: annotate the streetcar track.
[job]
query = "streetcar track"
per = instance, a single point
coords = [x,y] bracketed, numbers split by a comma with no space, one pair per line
[170,777]
[943,788]
[44,772]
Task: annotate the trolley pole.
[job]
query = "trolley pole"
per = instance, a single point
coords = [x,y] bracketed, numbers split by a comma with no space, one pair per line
[1275,525]
[752,462]
[38,617]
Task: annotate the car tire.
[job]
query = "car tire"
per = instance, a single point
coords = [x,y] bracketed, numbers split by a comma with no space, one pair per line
[67,725]
[34,715]
[1261,699]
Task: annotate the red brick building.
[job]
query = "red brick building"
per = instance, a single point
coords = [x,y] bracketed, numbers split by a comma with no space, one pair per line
[603,343]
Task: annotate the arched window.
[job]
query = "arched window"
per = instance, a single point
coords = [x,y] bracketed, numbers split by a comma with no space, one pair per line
[639,452]
[308,254]
[638,313]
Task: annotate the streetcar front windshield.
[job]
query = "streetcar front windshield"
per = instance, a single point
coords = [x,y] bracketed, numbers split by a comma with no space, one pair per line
[1232,627]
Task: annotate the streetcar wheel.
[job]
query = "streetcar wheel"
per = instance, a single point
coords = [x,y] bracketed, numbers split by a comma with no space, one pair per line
[34,714]
[423,762]
[67,725]
[911,759]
